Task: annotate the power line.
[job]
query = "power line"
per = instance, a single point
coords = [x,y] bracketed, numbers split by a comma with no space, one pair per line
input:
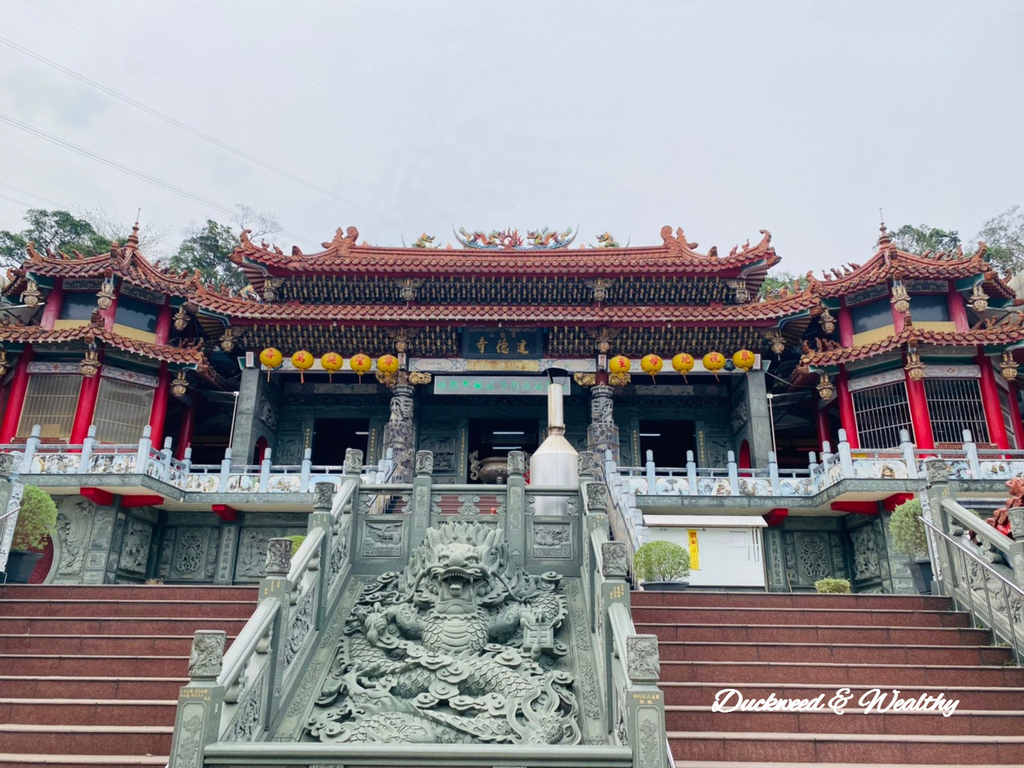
[32,194]
[206,137]
[16,201]
[30,129]
[355,107]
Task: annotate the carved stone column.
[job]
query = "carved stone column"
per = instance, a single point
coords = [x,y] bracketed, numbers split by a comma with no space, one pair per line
[400,433]
[602,434]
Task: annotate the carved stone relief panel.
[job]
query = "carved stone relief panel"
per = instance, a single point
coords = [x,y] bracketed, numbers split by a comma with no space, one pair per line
[866,564]
[382,539]
[252,549]
[74,527]
[135,547]
[551,541]
[445,449]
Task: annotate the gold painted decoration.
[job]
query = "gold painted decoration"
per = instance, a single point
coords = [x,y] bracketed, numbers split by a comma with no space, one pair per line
[360,364]
[826,390]
[744,360]
[179,387]
[181,319]
[652,364]
[105,296]
[331,362]
[1008,366]
[90,364]
[914,367]
[619,365]
[31,295]
[979,299]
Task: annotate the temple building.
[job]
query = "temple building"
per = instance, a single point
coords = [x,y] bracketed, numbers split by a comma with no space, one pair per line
[170,417]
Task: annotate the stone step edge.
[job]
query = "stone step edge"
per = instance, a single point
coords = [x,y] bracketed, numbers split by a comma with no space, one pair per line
[75,679]
[779,609]
[958,713]
[95,702]
[881,738]
[839,664]
[88,656]
[734,764]
[83,600]
[746,644]
[32,728]
[855,686]
[68,760]
[9,635]
[847,627]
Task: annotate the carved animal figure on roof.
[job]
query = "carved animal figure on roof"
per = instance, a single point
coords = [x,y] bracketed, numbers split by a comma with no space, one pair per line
[607,240]
[459,648]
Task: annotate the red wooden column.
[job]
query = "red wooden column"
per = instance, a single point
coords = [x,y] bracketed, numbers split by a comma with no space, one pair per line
[824,428]
[1018,428]
[158,415]
[16,398]
[163,323]
[990,401]
[845,326]
[957,310]
[185,430]
[919,417]
[54,303]
[86,408]
[846,416]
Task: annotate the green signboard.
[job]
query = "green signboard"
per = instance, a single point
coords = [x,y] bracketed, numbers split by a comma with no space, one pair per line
[493,385]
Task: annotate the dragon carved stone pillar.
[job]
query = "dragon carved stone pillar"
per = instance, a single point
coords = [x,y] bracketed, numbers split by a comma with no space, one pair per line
[400,433]
[602,434]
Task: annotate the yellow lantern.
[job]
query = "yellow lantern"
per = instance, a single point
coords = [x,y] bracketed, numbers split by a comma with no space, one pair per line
[271,358]
[618,364]
[360,364]
[302,360]
[744,360]
[683,363]
[332,362]
[387,364]
[714,362]
[652,364]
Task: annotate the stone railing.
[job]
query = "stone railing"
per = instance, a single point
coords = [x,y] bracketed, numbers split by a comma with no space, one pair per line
[979,567]
[92,458]
[234,697]
[906,462]
[629,662]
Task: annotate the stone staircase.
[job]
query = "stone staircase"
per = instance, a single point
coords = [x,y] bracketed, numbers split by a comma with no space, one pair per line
[89,675]
[800,646]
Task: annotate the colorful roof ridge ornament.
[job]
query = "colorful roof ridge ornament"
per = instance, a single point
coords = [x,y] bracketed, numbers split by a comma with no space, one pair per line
[544,239]
[607,240]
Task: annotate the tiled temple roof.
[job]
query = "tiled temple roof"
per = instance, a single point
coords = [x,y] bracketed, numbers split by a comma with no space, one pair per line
[89,333]
[344,256]
[125,261]
[889,262]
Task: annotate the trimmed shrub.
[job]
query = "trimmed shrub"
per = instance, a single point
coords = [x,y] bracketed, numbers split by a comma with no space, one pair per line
[907,530]
[37,520]
[832,586]
[661,561]
[296,543]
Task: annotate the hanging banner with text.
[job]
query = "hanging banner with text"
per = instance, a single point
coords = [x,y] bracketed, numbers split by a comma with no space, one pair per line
[493,385]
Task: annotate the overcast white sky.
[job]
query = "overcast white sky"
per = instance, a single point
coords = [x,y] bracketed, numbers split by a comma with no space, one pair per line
[721,117]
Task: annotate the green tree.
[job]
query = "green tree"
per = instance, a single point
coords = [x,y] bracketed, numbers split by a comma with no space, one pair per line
[207,250]
[51,231]
[925,238]
[773,283]
[1004,236]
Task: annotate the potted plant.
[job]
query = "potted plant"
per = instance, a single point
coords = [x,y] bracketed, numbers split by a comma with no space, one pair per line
[37,520]
[908,537]
[832,586]
[662,565]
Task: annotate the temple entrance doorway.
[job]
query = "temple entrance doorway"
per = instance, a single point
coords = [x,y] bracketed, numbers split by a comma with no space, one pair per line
[331,437]
[669,439]
[494,438]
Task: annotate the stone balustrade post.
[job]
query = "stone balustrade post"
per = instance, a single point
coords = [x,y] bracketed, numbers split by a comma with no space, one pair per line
[200,702]
[971,449]
[166,454]
[225,470]
[515,507]
[649,469]
[145,443]
[773,473]
[186,461]
[323,502]
[907,449]
[277,586]
[422,487]
[31,446]
[87,448]
[645,703]
[937,475]
[265,471]
[734,478]
[691,473]
[845,457]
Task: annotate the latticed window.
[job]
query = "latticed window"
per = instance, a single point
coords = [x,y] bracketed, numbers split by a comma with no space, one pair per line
[953,406]
[881,412]
[122,411]
[50,402]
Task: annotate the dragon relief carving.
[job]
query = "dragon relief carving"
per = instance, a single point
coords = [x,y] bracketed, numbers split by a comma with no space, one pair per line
[459,648]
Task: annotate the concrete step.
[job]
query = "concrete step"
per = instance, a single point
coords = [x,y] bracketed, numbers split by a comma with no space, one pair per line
[690,599]
[853,720]
[838,675]
[94,666]
[101,645]
[167,609]
[825,748]
[807,633]
[88,711]
[105,625]
[149,592]
[814,616]
[971,697]
[88,739]
[64,686]
[956,655]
